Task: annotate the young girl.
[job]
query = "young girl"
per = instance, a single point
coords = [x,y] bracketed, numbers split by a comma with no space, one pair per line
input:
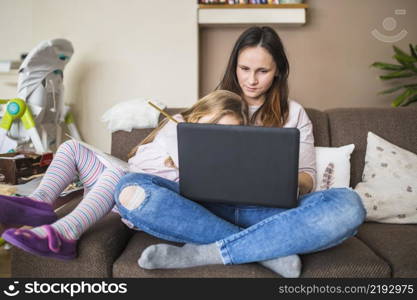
[154,155]
[224,234]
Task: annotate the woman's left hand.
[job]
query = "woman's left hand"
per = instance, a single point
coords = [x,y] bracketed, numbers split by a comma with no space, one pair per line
[305,183]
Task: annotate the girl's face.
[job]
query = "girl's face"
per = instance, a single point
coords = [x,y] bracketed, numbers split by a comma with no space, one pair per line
[255,72]
[225,120]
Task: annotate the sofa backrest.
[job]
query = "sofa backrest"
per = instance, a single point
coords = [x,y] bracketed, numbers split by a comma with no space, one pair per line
[320,127]
[332,128]
[351,125]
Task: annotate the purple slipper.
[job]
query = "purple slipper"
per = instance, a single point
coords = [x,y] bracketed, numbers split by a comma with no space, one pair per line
[25,211]
[53,245]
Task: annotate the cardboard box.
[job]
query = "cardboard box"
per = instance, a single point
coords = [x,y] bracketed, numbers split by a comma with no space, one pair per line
[16,167]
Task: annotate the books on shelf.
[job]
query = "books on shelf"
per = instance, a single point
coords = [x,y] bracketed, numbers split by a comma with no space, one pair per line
[233,2]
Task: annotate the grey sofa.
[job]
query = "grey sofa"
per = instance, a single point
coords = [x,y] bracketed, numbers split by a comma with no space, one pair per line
[110,249]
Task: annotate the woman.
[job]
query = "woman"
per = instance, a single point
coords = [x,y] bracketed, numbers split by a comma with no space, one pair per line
[225,234]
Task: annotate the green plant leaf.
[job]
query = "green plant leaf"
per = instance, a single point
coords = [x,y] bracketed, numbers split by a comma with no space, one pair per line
[413,85]
[407,68]
[405,61]
[397,101]
[400,52]
[401,99]
[391,90]
[413,52]
[408,65]
[385,66]
[410,100]
[399,74]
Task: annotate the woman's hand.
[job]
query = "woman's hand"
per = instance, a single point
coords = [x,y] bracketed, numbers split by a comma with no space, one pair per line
[305,183]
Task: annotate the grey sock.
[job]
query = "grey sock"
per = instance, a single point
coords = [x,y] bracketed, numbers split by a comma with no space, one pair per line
[287,266]
[163,256]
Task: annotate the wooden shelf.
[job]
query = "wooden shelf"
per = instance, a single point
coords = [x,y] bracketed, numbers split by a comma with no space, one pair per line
[243,14]
[255,6]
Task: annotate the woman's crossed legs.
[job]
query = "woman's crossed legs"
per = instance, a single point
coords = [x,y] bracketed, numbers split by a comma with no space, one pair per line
[153,204]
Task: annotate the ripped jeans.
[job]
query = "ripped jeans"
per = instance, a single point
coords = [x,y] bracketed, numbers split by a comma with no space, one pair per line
[243,233]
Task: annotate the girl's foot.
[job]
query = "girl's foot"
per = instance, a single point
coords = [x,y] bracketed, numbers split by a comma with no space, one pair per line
[52,245]
[25,211]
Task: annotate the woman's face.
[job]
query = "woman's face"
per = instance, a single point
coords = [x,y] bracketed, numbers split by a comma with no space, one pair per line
[255,72]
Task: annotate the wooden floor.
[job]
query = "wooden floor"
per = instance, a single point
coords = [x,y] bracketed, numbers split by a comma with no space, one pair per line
[4,263]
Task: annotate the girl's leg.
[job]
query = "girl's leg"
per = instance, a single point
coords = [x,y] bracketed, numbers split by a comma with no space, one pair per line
[70,160]
[98,202]
[322,220]
[37,209]
[59,240]
[74,159]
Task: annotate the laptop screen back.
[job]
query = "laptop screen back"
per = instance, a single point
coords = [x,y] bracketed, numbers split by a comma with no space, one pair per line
[231,164]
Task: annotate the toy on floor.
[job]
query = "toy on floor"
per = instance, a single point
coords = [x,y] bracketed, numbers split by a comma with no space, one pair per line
[17,109]
[40,93]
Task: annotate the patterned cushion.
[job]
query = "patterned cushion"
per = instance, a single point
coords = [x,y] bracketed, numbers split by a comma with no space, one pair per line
[389,182]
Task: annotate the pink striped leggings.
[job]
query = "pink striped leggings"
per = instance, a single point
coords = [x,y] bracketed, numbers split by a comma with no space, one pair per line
[70,160]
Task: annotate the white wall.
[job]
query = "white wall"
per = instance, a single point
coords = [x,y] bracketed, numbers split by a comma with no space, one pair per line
[122,50]
[15,28]
[330,55]
[15,39]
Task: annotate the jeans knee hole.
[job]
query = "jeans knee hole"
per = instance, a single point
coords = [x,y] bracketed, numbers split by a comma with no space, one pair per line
[131,197]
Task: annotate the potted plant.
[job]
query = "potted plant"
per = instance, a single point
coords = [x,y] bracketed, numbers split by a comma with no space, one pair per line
[405,69]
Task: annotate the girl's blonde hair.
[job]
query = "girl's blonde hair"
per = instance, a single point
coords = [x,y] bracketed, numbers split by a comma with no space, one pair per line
[220,103]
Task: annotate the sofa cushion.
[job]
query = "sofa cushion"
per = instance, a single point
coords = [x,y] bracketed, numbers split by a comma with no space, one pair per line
[350,259]
[126,265]
[395,243]
[351,126]
[389,183]
[98,248]
[333,167]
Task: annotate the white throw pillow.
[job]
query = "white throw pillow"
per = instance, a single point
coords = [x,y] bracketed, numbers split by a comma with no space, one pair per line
[130,114]
[333,166]
[389,182]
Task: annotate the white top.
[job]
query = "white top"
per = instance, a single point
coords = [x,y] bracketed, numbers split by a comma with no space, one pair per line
[253,109]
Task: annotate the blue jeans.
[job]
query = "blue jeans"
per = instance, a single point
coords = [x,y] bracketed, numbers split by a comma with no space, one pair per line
[243,233]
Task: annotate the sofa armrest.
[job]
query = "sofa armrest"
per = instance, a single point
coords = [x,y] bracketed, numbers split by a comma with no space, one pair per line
[98,248]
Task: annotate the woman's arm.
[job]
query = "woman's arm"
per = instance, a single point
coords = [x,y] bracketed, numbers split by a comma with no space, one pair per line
[307,152]
[305,183]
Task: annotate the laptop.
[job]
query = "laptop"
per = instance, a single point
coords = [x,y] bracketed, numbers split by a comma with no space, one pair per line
[232,164]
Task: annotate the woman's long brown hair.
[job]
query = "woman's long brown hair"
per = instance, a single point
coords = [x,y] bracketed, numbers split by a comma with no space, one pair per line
[274,111]
[220,103]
